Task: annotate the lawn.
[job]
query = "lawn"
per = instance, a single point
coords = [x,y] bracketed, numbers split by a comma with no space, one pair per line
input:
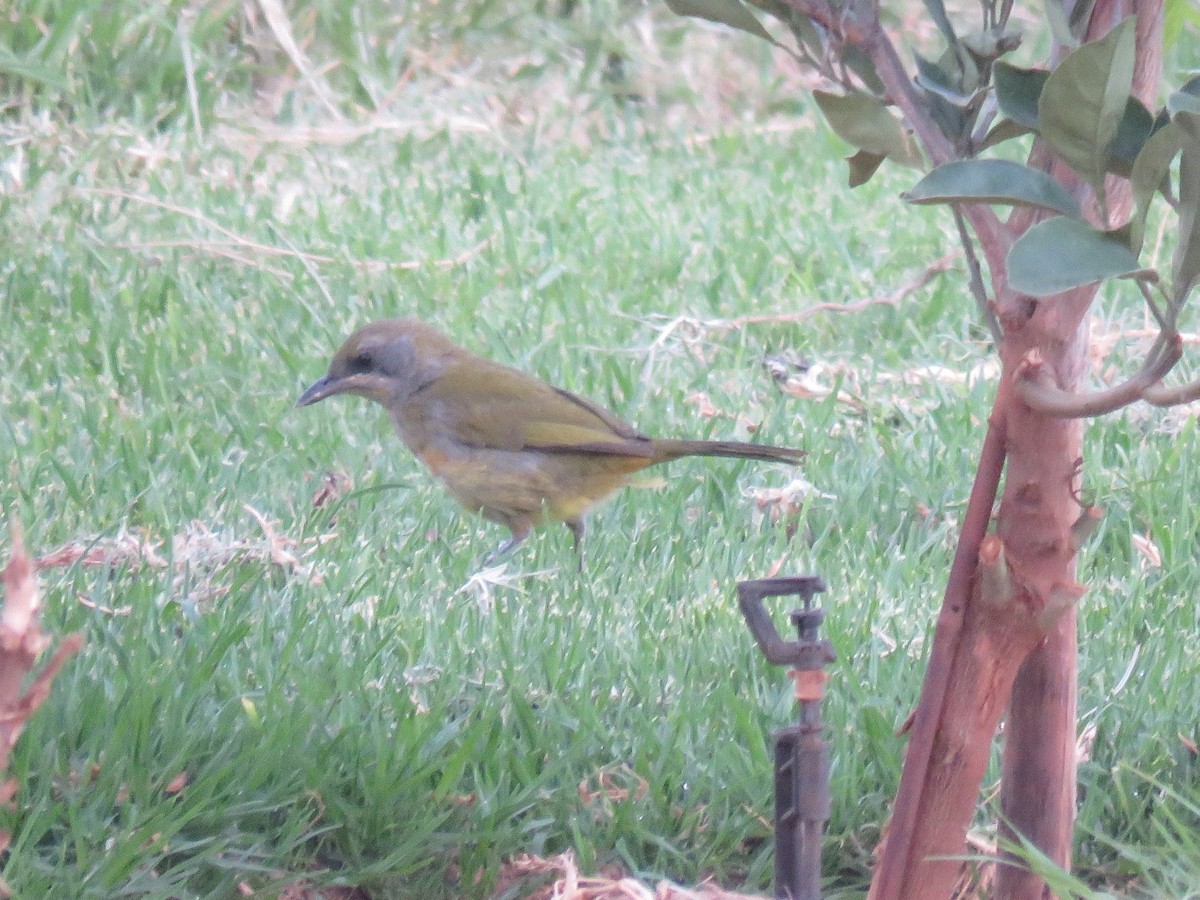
[297,666]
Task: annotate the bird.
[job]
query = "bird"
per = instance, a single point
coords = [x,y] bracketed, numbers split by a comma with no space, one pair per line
[506,445]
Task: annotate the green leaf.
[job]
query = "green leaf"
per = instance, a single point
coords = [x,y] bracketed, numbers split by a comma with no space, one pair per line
[1133,130]
[1081,105]
[987,46]
[1018,91]
[1183,101]
[863,165]
[1060,27]
[1185,266]
[944,101]
[937,9]
[992,181]
[807,34]
[733,13]
[1068,29]
[1121,235]
[864,122]
[1081,14]
[1064,253]
[963,73]
[1185,112]
[937,79]
[862,66]
[1149,174]
[1004,130]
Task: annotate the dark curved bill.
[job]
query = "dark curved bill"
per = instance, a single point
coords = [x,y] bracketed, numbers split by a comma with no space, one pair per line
[318,390]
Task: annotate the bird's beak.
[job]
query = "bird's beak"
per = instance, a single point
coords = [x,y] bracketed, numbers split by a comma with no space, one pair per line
[320,389]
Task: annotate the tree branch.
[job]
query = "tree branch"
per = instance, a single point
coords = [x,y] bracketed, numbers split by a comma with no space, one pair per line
[897,845]
[1035,387]
[1164,324]
[1161,395]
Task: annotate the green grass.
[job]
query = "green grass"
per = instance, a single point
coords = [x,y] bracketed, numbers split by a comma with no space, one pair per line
[171,283]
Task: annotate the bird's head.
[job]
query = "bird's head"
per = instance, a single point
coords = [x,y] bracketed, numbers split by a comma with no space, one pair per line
[385,361]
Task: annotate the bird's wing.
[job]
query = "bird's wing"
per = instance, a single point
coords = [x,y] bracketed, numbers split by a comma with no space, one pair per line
[485,404]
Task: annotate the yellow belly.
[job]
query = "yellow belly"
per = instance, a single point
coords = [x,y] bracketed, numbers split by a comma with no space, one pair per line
[524,488]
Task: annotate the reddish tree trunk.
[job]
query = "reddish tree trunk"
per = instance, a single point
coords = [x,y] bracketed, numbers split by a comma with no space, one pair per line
[1040,757]
[1021,580]
[1039,508]
[1007,627]
[1038,787]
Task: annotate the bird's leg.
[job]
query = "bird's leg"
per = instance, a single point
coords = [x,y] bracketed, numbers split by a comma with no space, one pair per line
[518,535]
[577,528]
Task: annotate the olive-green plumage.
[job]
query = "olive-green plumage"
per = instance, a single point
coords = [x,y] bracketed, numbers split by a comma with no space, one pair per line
[506,445]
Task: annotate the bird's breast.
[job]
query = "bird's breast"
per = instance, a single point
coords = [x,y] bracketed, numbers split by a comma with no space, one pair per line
[525,485]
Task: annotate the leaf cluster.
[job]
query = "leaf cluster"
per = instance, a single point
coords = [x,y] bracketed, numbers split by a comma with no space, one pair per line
[1082,109]
[1084,112]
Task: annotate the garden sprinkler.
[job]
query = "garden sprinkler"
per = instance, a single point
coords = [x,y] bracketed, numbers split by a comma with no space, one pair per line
[802,801]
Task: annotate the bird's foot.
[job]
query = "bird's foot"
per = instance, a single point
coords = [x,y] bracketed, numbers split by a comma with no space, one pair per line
[504,549]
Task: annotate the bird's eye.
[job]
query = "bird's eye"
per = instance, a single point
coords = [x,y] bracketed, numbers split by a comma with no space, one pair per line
[360,363]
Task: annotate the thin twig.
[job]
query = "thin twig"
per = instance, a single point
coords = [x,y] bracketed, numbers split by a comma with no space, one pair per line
[207,248]
[892,298]
[218,248]
[725,325]
[1187,338]
[195,216]
[1163,323]
[308,265]
[975,279]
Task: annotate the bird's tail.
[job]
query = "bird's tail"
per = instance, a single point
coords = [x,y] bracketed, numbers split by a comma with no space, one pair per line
[665,450]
